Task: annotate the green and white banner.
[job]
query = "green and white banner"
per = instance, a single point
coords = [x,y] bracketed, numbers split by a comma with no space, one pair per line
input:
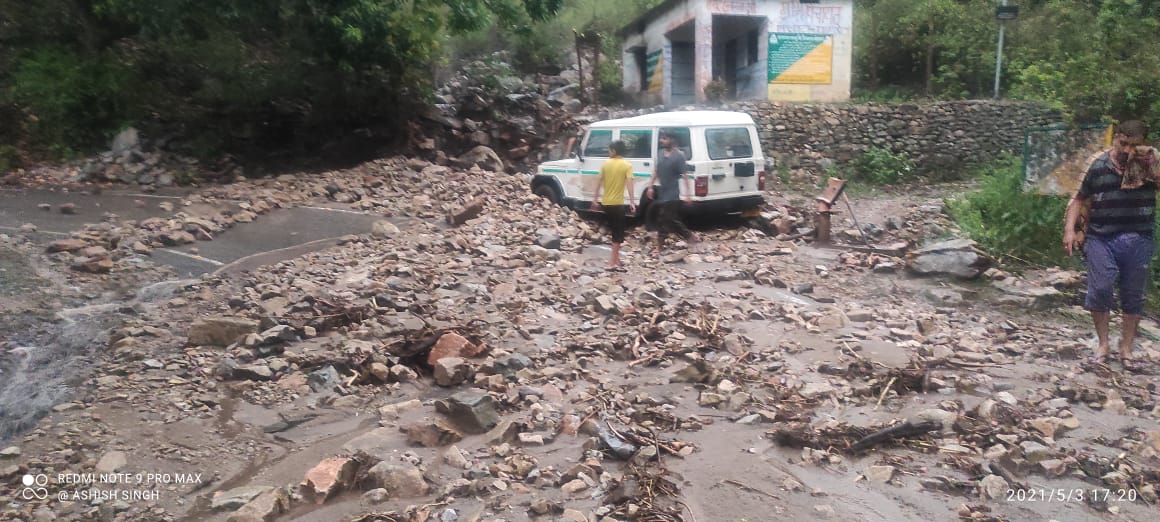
[801,58]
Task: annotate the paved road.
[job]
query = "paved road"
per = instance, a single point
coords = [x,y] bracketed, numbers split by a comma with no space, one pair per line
[276,236]
[18,207]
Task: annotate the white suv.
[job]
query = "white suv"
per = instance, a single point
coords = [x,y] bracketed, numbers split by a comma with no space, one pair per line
[722,150]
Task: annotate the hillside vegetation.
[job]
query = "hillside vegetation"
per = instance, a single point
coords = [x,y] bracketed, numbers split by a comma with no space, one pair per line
[286,77]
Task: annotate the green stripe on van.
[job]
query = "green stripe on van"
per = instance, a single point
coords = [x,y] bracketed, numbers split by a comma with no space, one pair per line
[592,172]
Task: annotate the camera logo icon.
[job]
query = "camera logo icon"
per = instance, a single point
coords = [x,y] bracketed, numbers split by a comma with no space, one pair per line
[34,487]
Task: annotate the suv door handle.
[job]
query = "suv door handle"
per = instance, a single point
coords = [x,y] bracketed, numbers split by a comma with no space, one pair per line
[646,163]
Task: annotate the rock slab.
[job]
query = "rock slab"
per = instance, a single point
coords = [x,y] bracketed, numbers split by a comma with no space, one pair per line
[220,331]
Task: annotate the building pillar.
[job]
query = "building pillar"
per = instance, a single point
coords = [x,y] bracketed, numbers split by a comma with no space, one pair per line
[702,54]
[763,55]
[630,72]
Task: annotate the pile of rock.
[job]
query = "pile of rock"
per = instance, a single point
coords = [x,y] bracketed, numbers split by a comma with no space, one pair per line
[486,110]
[499,334]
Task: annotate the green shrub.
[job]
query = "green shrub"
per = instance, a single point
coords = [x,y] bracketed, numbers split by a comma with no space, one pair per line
[9,158]
[1010,223]
[783,172]
[878,166]
[885,94]
[1024,228]
[76,101]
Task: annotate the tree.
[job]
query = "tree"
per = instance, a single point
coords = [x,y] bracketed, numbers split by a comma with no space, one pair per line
[1094,59]
[252,74]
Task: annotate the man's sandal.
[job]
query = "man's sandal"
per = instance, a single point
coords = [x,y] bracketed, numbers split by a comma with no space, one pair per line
[1131,364]
[1099,358]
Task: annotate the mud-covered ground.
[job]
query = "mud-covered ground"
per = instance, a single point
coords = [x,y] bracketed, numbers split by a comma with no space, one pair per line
[732,379]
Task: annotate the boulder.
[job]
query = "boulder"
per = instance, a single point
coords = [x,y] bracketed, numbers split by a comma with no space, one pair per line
[329,477]
[384,230]
[111,462]
[451,371]
[549,240]
[266,507]
[94,265]
[879,473]
[484,157]
[66,245]
[126,141]
[452,344]
[472,410]
[469,211]
[959,258]
[220,331]
[236,498]
[400,480]
[432,434]
[377,442]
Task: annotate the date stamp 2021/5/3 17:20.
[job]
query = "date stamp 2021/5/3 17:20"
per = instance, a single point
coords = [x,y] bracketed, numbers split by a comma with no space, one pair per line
[1098,495]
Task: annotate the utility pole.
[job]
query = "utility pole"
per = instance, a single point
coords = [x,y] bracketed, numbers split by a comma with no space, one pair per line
[930,39]
[1003,13]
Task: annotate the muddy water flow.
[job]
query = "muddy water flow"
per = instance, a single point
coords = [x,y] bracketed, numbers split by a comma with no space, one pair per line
[48,349]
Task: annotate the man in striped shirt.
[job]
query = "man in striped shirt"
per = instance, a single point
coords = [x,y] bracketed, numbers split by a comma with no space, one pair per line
[1120,187]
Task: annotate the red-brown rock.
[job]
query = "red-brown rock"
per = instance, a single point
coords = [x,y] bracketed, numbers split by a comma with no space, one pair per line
[93,251]
[66,245]
[328,478]
[467,213]
[95,265]
[453,345]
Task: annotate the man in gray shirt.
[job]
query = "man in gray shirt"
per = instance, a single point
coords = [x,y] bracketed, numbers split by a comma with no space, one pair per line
[670,170]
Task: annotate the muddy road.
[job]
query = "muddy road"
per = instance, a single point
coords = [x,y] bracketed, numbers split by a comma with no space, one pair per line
[419,371]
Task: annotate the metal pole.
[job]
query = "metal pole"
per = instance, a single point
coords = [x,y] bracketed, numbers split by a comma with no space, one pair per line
[855,218]
[999,53]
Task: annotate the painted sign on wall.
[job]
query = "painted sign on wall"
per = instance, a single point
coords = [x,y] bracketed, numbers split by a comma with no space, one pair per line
[817,19]
[654,77]
[801,58]
[733,7]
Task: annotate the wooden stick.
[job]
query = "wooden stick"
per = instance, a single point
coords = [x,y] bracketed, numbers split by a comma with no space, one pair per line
[884,391]
[643,360]
[691,515]
[750,488]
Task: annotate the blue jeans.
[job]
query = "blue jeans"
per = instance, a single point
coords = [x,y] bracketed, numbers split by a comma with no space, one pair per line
[1125,255]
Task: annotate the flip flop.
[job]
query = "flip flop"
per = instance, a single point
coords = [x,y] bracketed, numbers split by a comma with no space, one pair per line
[1101,359]
[1131,364]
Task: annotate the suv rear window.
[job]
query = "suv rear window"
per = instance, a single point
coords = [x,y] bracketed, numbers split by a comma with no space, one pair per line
[598,142]
[729,143]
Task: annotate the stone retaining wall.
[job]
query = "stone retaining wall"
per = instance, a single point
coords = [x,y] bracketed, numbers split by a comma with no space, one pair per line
[942,138]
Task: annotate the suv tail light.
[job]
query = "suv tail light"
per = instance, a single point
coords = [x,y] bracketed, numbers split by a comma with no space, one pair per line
[701,186]
[761,180]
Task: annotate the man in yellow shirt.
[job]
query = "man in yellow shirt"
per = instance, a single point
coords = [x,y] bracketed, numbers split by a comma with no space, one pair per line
[615,177]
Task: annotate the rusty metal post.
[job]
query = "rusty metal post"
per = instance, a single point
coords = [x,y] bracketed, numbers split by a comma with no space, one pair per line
[822,225]
[834,189]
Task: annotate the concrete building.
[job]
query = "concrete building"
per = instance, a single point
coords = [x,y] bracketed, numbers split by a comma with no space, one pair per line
[777,50]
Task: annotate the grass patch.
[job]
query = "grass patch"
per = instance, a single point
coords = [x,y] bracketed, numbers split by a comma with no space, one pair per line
[879,166]
[1024,229]
[1011,224]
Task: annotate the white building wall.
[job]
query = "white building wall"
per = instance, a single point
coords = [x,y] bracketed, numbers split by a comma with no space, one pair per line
[833,18]
[830,17]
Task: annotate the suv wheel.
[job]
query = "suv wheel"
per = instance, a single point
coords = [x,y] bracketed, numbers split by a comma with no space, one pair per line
[546,190]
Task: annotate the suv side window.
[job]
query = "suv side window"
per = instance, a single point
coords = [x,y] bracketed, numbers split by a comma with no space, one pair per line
[637,143]
[598,142]
[729,143]
[682,139]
